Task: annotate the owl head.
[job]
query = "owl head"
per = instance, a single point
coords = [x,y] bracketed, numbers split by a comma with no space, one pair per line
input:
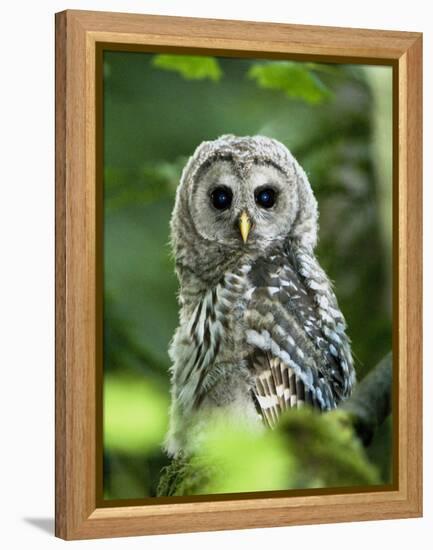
[241,196]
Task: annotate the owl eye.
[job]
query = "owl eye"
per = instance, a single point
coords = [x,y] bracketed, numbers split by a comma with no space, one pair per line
[221,197]
[265,197]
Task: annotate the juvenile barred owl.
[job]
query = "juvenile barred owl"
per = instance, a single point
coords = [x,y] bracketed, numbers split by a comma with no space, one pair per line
[260,330]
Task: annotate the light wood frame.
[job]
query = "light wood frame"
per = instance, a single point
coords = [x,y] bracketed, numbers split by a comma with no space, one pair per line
[79,34]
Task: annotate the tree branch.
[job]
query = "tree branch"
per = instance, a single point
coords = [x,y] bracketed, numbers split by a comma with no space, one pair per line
[370,403]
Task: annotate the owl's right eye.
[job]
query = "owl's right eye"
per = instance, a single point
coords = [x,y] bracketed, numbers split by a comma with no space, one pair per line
[221,197]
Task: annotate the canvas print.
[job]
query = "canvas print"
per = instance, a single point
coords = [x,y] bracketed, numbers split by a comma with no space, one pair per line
[247,276]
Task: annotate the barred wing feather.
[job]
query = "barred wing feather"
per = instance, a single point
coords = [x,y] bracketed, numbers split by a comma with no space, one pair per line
[299,349]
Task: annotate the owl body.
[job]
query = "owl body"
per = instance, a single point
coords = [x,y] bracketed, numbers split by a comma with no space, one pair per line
[259,330]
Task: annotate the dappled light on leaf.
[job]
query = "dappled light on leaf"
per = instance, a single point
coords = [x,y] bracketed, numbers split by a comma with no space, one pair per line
[294,79]
[189,66]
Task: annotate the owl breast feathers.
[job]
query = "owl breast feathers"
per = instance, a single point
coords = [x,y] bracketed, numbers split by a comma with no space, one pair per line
[260,330]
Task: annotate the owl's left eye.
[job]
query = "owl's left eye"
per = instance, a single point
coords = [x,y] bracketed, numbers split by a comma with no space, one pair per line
[265,197]
[221,197]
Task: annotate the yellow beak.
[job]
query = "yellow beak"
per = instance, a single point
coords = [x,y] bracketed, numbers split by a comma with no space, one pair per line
[244,226]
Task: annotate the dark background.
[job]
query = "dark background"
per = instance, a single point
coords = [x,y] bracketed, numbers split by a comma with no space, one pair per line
[336,120]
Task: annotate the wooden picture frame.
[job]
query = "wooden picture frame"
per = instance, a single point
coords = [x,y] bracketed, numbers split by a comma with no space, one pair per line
[80,38]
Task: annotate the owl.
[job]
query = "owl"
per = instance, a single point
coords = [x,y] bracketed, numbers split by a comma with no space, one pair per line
[260,330]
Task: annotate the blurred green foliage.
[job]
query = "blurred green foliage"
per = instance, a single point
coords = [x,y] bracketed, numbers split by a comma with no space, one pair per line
[306,451]
[157,109]
[134,414]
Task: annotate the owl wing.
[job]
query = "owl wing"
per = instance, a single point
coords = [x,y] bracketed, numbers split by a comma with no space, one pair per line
[300,351]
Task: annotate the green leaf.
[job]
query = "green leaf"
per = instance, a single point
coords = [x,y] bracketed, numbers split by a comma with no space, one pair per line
[296,80]
[307,450]
[244,460]
[231,459]
[135,414]
[325,447]
[191,67]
